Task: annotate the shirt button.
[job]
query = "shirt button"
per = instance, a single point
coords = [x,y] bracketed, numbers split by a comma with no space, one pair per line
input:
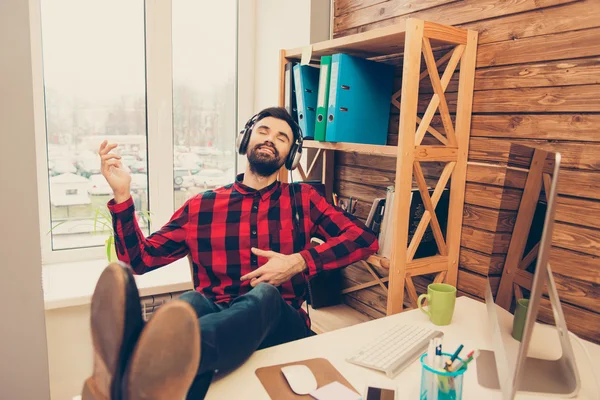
[255,207]
[254,232]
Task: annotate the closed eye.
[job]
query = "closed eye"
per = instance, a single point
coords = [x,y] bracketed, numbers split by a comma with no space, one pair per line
[283,137]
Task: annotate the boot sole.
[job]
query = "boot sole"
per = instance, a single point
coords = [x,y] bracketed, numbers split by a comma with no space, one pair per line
[116,322]
[167,355]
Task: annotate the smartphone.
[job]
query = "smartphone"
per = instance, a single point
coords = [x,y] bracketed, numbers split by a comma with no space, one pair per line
[379,393]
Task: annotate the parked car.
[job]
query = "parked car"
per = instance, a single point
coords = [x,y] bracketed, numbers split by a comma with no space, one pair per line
[182,177]
[88,166]
[134,163]
[189,159]
[63,166]
[212,178]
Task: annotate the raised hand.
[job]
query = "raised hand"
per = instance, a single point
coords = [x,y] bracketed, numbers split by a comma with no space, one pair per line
[114,173]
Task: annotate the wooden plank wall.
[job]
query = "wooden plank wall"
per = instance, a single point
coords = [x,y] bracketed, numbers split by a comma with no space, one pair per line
[537,82]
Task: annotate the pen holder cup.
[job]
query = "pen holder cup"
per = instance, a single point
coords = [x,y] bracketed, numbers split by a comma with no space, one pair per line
[440,384]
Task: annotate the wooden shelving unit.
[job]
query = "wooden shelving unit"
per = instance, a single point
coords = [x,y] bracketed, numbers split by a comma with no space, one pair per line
[413,39]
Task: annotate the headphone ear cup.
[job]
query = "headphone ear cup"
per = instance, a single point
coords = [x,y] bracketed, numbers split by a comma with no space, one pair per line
[297,159]
[289,161]
[242,141]
[293,158]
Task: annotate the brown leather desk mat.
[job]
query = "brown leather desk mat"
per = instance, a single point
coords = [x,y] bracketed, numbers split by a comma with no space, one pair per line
[277,387]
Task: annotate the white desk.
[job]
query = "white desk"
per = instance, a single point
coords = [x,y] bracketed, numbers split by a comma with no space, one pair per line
[469,327]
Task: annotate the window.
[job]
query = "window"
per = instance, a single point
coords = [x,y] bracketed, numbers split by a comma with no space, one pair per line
[95,89]
[116,70]
[204,74]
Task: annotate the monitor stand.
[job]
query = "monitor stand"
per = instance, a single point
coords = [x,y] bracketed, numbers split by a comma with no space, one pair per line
[541,376]
[558,377]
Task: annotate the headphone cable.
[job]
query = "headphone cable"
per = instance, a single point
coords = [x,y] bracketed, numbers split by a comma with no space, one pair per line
[295,205]
[297,223]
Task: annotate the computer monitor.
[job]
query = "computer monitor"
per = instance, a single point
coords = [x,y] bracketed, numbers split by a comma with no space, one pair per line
[508,367]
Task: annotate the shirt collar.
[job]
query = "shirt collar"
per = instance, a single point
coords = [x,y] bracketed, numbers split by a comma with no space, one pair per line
[264,193]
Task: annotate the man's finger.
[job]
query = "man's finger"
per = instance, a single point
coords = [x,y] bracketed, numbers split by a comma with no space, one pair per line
[110,156]
[255,282]
[104,148]
[112,163]
[264,253]
[257,272]
[107,149]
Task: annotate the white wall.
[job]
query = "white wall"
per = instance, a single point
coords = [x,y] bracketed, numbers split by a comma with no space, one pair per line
[70,351]
[278,24]
[23,351]
[282,24]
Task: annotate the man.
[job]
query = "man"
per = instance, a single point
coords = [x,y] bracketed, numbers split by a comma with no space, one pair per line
[249,244]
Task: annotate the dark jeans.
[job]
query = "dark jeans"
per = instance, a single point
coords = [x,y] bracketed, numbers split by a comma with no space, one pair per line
[230,333]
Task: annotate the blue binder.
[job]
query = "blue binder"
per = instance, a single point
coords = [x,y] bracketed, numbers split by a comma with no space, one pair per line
[360,93]
[306,80]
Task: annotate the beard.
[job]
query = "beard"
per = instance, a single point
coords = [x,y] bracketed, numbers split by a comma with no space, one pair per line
[264,164]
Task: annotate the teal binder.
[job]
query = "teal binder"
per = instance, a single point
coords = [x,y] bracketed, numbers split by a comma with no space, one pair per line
[306,79]
[290,92]
[360,92]
[323,98]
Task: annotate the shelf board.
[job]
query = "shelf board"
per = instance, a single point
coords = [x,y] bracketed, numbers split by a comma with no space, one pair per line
[422,153]
[420,266]
[387,151]
[381,42]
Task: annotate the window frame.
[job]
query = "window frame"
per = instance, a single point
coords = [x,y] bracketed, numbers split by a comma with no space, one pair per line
[159,115]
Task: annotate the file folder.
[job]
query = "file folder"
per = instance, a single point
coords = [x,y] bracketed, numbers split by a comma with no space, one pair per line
[359,100]
[306,80]
[290,92]
[323,98]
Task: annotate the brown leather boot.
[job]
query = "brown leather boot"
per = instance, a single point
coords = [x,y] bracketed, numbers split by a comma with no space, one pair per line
[116,319]
[167,355]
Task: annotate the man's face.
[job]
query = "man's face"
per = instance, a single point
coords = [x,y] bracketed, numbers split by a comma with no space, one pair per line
[269,146]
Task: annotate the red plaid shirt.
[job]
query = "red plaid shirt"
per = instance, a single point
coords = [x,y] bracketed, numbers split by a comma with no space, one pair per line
[217,228]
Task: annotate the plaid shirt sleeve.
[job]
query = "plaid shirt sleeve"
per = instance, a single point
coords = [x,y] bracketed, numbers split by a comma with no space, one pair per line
[145,254]
[347,239]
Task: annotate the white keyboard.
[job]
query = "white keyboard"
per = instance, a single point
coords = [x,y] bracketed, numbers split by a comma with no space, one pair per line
[395,349]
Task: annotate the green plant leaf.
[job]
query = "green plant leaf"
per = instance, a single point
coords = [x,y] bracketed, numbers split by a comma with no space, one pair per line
[95,219]
[108,248]
[104,218]
[56,226]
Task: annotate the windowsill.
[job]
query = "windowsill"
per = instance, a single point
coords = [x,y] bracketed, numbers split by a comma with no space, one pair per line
[72,284]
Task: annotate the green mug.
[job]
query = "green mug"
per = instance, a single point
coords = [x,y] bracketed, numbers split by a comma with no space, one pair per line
[441,298]
[519,318]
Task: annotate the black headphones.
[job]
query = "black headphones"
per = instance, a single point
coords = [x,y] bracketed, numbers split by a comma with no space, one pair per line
[293,158]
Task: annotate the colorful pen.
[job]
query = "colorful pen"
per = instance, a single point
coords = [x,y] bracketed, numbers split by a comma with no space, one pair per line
[448,366]
[470,357]
[438,347]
